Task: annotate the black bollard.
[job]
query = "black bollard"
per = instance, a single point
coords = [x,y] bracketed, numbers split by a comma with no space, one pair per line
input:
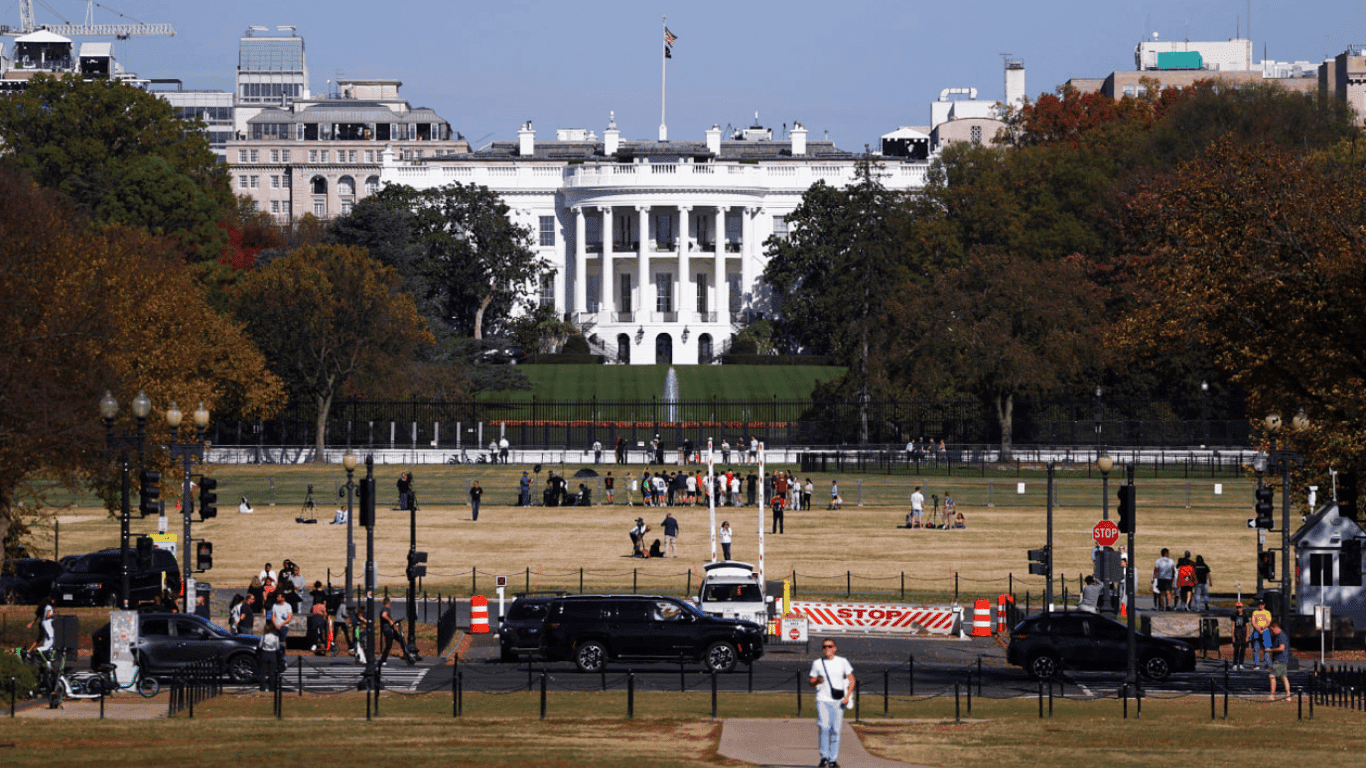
[630,695]
[799,694]
[1211,700]
[713,694]
[543,680]
[956,717]
[886,692]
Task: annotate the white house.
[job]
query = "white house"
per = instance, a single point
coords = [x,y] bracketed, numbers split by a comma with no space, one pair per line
[658,246]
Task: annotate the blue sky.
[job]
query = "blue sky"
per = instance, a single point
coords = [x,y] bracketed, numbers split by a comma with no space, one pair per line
[855,68]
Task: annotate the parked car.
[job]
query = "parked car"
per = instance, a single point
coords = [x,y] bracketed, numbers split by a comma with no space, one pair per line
[520,631]
[95,579]
[732,589]
[28,580]
[168,641]
[593,629]
[1047,643]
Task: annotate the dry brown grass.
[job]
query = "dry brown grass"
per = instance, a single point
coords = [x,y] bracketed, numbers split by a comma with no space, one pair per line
[554,544]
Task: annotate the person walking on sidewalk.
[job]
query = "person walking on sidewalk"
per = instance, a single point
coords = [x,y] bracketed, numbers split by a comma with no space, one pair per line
[833,678]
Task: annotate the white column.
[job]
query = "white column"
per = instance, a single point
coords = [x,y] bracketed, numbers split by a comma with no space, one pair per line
[721,290]
[580,263]
[609,278]
[642,262]
[684,299]
[746,247]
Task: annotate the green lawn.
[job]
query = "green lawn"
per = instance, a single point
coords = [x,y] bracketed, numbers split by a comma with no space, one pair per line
[696,382]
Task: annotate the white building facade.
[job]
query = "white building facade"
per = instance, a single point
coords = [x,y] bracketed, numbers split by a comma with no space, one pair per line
[658,247]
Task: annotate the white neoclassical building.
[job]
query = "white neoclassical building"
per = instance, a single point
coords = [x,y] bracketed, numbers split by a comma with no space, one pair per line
[658,246]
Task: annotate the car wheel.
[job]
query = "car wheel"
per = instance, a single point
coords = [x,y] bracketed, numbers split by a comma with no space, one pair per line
[242,668]
[148,687]
[721,657]
[1156,667]
[509,656]
[1044,666]
[591,656]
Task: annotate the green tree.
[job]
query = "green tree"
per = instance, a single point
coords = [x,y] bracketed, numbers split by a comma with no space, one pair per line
[472,263]
[842,250]
[997,326]
[92,141]
[328,316]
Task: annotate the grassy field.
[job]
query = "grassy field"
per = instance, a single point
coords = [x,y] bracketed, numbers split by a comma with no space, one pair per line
[640,383]
[541,548]
[676,730]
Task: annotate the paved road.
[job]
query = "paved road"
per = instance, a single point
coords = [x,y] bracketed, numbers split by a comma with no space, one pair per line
[879,661]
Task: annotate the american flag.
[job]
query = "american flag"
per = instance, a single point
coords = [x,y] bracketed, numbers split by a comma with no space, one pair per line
[669,37]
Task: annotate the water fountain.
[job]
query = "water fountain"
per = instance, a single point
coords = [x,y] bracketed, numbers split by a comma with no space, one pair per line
[671,395]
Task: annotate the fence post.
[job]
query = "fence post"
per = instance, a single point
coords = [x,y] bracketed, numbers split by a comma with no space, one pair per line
[991,493]
[860,492]
[580,580]
[903,586]
[799,694]
[630,694]
[543,679]
[300,666]
[848,584]
[910,676]
[886,692]
[956,715]
[713,694]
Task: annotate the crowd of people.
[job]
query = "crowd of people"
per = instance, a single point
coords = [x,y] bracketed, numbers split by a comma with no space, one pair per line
[1181,585]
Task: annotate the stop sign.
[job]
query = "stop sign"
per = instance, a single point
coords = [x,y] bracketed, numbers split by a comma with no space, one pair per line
[1106,533]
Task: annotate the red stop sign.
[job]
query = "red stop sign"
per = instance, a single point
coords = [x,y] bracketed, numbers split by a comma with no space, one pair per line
[1106,533]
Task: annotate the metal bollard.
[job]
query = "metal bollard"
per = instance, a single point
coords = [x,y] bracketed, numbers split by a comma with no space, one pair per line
[543,682]
[713,694]
[630,694]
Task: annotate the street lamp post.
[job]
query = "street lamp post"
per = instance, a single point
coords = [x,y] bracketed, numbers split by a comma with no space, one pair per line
[1105,463]
[370,666]
[1204,412]
[1100,419]
[109,409]
[187,453]
[349,461]
[1283,460]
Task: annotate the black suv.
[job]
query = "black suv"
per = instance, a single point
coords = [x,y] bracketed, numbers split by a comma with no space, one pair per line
[1047,643]
[591,629]
[28,580]
[520,631]
[96,579]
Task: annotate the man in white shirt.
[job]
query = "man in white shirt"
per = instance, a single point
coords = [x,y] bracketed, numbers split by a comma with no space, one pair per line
[267,573]
[503,446]
[917,509]
[833,678]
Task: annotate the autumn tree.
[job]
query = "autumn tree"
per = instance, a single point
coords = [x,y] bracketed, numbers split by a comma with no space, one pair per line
[327,316]
[1257,252]
[89,309]
[471,264]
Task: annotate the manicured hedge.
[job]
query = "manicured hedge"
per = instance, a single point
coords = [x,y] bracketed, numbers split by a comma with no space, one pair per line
[775,360]
[548,359]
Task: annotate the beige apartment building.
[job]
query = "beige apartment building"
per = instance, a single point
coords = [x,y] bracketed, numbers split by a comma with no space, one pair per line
[320,156]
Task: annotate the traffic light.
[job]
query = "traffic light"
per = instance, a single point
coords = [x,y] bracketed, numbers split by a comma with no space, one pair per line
[203,555]
[1264,509]
[148,480]
[415,569]
[1040,563]
[208,498]
[1347,495]
[144,553]
[1126,508]
[1266,565]
[367,501]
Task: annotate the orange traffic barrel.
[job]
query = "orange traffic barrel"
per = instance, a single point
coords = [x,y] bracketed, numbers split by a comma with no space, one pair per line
[479,615]
[981,617]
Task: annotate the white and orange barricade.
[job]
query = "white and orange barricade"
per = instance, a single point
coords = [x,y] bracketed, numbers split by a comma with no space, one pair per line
[891,618]
[479,615]
[1003,605]
[981,617]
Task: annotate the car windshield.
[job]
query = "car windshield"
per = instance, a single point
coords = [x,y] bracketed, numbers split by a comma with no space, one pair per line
[524,611]
[732,593]
[95,564]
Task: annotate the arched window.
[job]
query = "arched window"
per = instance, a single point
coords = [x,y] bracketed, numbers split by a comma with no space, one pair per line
[346,186]
[623,348]
[319,185]
[372,185]
[704,349]
[664,349]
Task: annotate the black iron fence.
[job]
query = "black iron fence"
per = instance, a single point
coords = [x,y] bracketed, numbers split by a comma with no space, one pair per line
[538,424]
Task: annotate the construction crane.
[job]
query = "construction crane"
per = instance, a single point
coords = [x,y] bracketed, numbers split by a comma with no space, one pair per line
[89,28]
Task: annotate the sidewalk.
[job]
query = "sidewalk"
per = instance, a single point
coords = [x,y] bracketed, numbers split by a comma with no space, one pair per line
[121,707]
[791,744]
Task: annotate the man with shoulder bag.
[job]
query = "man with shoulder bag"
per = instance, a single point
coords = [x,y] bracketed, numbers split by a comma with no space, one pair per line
[833,678]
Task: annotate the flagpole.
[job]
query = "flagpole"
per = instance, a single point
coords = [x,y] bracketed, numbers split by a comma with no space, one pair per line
[663,67]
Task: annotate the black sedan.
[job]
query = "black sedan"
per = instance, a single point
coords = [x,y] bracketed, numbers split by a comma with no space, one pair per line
[1047,643]
[169,641]
[27,580]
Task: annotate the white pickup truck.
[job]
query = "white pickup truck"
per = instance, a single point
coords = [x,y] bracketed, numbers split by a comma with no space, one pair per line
[732,590]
